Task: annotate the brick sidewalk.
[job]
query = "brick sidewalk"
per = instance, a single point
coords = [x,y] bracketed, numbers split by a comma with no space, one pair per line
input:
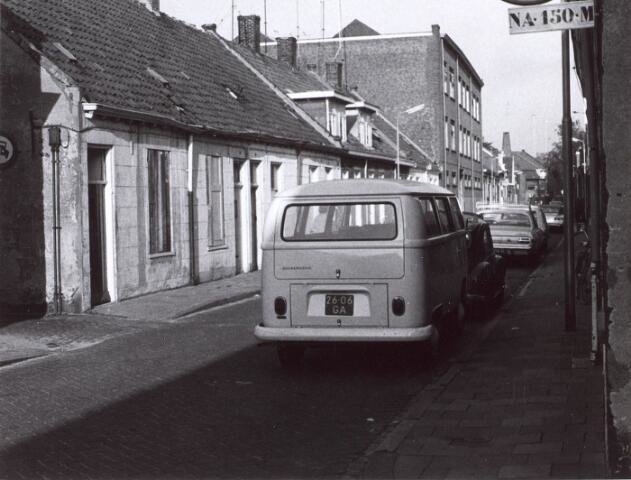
[34,338]
[527,403]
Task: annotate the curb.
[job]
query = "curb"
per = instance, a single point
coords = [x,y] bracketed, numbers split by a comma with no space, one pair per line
[217,303]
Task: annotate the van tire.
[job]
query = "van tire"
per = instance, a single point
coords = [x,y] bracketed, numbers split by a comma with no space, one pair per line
[290,356]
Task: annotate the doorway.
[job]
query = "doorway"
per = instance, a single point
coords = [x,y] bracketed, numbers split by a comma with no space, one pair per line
[238,190]
[97,182]
[254,168]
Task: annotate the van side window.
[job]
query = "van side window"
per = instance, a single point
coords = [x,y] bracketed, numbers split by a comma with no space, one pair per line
[456,213]
[443,215]
[432,228]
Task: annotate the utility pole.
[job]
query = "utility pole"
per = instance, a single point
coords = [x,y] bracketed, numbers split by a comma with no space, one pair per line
[568,188]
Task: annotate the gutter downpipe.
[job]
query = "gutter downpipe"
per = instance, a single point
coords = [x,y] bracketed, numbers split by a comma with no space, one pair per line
[191,212]
[442,66]
[54,141]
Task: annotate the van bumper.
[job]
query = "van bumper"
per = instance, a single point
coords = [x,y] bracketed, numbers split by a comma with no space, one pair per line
[336,334]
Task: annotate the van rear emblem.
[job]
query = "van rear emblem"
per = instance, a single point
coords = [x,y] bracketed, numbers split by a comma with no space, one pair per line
[338,272]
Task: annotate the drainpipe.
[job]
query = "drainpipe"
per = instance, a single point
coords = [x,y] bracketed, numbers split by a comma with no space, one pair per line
[54,140]
[459,128]
[191,213]
[444,70]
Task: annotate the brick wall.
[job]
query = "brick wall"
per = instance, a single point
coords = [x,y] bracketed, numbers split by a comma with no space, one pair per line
[617,145]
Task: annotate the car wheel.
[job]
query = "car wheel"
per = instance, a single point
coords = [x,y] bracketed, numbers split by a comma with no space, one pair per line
[290,356]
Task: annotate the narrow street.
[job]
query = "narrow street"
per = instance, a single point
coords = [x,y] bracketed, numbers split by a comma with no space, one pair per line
[199,399]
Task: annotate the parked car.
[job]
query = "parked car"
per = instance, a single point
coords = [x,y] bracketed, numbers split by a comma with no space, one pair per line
[554,215]
[515,232]
[387,263]
[486,270]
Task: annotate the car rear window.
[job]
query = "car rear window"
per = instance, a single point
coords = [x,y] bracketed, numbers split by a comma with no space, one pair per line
[339,222]
[512,219]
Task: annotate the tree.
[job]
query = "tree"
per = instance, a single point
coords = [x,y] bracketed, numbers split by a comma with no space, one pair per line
[554,162]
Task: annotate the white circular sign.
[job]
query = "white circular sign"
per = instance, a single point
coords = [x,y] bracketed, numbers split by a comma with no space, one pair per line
[6,150]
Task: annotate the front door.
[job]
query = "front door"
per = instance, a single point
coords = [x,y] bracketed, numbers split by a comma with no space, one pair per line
[253,217]
[96,202]
[238,190]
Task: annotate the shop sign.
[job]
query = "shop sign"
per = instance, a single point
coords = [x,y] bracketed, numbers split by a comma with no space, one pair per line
[557,16]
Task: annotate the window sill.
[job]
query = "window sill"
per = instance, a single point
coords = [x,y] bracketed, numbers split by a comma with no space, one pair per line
[161,255]
[217,248]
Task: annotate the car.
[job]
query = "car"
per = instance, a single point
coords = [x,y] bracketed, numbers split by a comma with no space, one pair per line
[371,260]
[515,232]
[554,215]
[486,270]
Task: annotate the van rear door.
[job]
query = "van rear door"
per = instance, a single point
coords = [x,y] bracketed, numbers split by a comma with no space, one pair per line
[338,257]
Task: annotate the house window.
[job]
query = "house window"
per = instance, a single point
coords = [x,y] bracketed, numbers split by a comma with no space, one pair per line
[446,133]
[328,171]
[214,185]
[452,135]
[452,82]
[346,173]
[313,174]
[275,177]
[445,79]
[159,202]
[312,67]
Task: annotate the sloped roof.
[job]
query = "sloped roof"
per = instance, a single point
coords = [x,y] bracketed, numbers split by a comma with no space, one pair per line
[293,80]
[409,151]
[356,29]
[524,161]
[281,74]
[120,45]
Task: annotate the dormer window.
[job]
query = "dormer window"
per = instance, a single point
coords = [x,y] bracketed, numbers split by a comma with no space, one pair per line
[364,131]
[337,122]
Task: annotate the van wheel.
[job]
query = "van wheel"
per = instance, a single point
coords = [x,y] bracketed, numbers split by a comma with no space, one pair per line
[290,356]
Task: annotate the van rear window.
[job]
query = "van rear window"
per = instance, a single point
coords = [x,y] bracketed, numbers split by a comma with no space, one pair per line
[339,222]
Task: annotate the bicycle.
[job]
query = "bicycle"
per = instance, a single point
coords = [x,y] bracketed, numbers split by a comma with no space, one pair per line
[583,270]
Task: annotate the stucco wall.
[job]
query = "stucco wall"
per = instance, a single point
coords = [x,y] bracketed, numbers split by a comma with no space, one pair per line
[617,146]
[32,100]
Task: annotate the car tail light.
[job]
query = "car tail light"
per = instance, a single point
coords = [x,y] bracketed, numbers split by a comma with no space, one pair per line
[398,306]
[524,239]
[280,306]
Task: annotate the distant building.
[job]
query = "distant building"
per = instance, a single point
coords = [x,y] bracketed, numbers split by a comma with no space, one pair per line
[525,174]
[400,71]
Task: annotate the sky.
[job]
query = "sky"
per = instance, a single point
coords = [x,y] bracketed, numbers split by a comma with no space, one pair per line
[521,73]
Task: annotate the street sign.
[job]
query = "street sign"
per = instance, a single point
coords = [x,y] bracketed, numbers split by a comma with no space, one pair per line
[558,16]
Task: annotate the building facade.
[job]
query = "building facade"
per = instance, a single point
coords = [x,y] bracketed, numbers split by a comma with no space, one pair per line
[165,164]
[400,72]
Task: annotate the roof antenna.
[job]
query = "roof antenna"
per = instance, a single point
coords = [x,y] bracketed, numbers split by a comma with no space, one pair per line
[232,22]
[322,2]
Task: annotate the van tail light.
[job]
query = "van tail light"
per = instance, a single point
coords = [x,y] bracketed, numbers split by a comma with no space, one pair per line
[280,306]
[398,306]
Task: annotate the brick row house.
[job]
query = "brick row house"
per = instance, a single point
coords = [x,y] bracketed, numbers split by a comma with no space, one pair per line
[402,71]
[172,143]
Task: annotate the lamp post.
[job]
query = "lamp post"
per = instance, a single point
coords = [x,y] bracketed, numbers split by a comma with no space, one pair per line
[413,109]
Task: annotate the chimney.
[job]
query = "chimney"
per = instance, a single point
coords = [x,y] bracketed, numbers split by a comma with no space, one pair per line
[333,74]
[250,31]
[286,50]
[209,27]
[153,5]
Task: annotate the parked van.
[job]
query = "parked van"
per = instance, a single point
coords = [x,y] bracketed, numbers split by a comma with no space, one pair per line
[361,261]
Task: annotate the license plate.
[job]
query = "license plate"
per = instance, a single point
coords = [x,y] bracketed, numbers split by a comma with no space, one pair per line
[338,305]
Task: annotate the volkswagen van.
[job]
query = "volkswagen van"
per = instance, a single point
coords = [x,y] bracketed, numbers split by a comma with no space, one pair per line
[361,261]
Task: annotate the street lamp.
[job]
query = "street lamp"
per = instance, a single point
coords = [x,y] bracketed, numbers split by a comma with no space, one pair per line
[413,109]
[574,139]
